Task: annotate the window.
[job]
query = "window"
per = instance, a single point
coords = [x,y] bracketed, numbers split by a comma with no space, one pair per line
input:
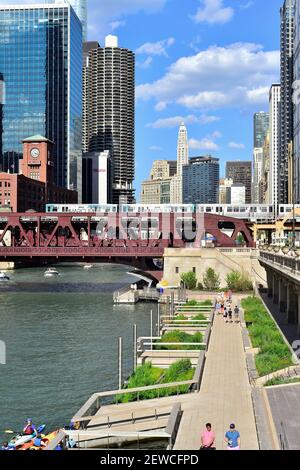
[177,270]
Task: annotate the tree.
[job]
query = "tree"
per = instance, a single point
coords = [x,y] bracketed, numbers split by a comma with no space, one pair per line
[211,280]
[189,280]
[238,282]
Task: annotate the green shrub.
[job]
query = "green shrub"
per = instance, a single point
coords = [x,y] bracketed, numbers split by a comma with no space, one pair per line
[274,353]
[211,280]
[190,280]
[179,337]
[180,371]
[196,303]
[238,282]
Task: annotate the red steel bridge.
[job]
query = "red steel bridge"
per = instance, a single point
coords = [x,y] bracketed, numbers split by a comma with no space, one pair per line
[126,238]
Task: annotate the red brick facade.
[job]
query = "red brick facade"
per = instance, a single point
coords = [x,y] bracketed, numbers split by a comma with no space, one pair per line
[34,188]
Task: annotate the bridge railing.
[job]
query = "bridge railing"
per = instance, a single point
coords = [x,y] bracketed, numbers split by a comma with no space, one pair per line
[290,262]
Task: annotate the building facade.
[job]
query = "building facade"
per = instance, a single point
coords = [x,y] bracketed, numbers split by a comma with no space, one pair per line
[201,180]
[163,169]
[296,100]
[237,195]
[157,190]
[80,8]
[96,178]
[258,171]
[34,187]
[287,14]
[261,127]
[40,59]
[224,191]
[241,173]
[109,111]
[274,102]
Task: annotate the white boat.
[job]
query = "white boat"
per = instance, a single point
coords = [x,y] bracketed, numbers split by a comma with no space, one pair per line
[88,266]
[3,276]
[51,272]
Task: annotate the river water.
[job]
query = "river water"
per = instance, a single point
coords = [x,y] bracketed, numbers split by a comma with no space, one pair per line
[61,336]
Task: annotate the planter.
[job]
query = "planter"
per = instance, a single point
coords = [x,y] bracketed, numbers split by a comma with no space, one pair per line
[277,249]
[285,250]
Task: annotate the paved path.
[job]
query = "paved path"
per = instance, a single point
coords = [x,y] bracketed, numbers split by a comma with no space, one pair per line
[225,395]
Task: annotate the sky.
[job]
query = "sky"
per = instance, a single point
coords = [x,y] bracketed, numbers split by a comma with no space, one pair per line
[209,63]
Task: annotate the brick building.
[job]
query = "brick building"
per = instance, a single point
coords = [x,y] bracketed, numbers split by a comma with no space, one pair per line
[34,187]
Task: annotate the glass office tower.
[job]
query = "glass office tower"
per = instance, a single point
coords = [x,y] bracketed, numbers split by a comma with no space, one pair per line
[41,64]
[80,7]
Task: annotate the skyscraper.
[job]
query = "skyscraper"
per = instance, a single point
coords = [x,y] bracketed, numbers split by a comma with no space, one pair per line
[258,168]
[182,159]
[182,148]
[261,127]
[80,7]
[296,149]
[40,59]
[241,173]
[109,111]
[200,180]
[274,101]
[287,14]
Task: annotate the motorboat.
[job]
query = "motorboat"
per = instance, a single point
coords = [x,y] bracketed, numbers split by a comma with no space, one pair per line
[4,276]
[51,272]
[88,266]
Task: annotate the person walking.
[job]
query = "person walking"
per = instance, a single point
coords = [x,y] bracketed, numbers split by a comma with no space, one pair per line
[208,438]
[236,314]
[225,315]
[230,315]
[233,438]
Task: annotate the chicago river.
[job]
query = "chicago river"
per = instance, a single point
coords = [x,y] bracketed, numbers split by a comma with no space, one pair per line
[61,336]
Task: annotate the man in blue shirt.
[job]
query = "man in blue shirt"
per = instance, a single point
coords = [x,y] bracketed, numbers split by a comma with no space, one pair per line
[233,439]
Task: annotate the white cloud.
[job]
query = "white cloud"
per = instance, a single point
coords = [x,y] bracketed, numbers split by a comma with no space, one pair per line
[203,144]
[175,121]
[216,135]
[247,5]
[161,106]
[213,12]
[235,145]
[117,24]
[236,75]
[158,48]
[155,148]
[146,64]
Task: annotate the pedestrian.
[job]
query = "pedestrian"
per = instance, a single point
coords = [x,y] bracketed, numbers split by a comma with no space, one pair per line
[230,295]
[218,307]
[208,438]
[233,438]
[230,315]
[237,314]
[225,315]
[222,308]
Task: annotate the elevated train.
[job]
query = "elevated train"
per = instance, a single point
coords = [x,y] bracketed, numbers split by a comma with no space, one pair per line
[250,212]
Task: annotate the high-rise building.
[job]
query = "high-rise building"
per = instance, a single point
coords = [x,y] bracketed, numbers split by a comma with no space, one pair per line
[201,180]
[163,169]
[224,191]
[296,149]
[261,127]
[182,159]
[241,173]
[80,8]
[40,59]
[237,195]
[264,189]
[287,14]
[2,100]
[258,166]
[109,111]
[96,178]
[157,190]
[274,102]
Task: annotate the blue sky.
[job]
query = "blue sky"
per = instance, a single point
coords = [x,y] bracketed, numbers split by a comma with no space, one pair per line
[210,62]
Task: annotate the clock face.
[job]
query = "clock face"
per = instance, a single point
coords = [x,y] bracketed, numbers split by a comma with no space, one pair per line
[35,153]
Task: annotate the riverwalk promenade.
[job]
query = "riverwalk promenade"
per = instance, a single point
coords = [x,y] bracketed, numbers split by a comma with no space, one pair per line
[225,395]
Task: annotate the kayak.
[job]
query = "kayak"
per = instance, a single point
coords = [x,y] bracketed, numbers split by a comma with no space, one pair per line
[20,439]
[47,439]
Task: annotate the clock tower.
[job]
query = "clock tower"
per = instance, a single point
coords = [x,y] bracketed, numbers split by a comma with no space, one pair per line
[37,160]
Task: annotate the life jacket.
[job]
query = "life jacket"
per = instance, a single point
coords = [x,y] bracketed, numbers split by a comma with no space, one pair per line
[37,442]
[29,429]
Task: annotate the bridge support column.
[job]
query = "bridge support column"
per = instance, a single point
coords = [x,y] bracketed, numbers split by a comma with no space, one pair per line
[292,306]
[282,297]
[298,327]
[275,289]
[270,284]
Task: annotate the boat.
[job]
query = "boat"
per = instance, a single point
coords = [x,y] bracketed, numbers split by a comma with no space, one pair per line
[3,276]
[45,438]
[20,439]
[88,266]
[51,272]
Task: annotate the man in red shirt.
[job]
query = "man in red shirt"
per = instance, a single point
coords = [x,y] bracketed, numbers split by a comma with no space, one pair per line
[208,438]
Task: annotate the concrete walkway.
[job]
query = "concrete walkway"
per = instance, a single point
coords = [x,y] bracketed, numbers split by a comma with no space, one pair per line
[225,395]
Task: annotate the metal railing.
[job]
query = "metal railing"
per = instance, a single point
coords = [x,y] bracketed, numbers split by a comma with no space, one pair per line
[289,262]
